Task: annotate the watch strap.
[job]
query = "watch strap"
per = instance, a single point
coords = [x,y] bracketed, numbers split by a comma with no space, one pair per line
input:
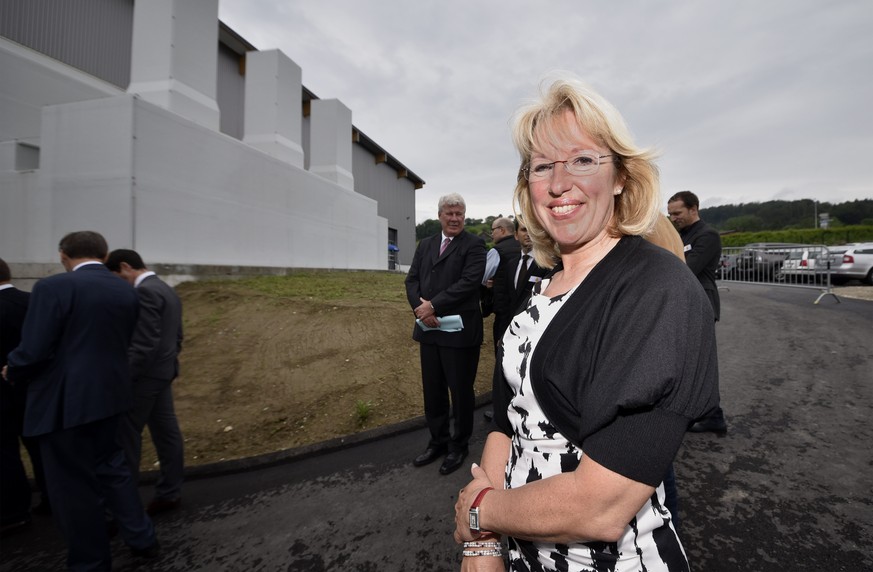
[480,496]
[474,510]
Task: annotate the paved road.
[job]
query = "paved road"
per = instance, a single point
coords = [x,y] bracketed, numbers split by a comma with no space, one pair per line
[789,488]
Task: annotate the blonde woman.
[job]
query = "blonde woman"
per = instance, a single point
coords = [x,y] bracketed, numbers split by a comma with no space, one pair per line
[604,370]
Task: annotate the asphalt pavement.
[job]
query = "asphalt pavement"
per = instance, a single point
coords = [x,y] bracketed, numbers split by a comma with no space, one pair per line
[790,487]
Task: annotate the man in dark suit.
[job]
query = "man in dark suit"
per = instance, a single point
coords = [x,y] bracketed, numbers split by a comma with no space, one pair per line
[516,282]
[73,358]
[154,364]
[702,255]
[444,280]
[506,252]
[14,487]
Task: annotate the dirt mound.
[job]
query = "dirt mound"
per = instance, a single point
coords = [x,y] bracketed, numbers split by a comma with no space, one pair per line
[268,366]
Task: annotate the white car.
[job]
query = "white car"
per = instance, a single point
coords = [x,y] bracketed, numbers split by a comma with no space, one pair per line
[808,265]
[857,264]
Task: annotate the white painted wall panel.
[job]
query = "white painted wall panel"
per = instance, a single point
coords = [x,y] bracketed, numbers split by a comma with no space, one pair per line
[181,193]
[203,197]
[30,81]
[19,211]
[86,166]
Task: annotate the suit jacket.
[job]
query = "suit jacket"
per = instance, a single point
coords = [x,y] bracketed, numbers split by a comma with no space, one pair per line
[73,350]
[521,292]
[451,282]
[512,297]
[13,308]
[157,339]
[702,255]
[500,293]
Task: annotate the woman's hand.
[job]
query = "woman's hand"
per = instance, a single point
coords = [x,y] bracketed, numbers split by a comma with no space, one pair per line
[465,498]
[483,564]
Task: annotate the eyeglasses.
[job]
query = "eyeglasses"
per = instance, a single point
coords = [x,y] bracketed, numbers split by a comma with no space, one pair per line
[585,163]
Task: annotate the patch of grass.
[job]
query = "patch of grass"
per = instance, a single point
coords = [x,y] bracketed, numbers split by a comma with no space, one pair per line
[332,285]
[214,316]
[363,410]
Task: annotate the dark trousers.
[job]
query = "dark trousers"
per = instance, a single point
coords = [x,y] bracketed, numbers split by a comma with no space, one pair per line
[449,372]
[15,493]
[86,474]
[14,486]
[153,406]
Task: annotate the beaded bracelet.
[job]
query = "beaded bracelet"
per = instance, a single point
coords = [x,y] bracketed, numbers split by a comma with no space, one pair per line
[481,544]
[496,552]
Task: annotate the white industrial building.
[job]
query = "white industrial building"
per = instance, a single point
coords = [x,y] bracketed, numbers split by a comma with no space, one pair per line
[158,126]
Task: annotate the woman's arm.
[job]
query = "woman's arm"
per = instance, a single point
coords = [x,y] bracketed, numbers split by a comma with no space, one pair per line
[494,458]
[490,474]
[591,503]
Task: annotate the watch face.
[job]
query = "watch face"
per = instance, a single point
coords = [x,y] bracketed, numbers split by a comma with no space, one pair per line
[474,519]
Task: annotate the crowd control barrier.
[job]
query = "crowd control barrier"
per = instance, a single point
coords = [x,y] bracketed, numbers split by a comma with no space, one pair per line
[791,265]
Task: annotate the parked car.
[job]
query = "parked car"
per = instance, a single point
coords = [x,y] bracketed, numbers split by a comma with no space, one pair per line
[857,264]
[727,266]
[809,264]
[762,261]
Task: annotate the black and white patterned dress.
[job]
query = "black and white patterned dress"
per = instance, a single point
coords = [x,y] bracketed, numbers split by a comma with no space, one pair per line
[539,451]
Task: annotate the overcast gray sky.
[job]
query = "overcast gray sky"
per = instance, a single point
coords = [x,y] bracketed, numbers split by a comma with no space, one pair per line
[746,100]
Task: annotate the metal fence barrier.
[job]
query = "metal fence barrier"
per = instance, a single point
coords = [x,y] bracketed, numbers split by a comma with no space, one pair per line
[793,265]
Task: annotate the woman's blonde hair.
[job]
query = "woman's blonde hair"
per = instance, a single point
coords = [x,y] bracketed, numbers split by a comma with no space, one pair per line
[636,207]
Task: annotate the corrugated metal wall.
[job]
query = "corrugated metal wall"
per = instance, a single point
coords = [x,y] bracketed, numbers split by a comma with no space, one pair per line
[91,35]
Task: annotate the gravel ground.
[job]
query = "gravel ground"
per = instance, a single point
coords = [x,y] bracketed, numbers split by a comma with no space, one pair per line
[856,292]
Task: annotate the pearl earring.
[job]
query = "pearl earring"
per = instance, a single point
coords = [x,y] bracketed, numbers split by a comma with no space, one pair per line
[618,191]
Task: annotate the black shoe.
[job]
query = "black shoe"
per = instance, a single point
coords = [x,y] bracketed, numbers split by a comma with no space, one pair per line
[709,425]
[44,508]
[14,527]
[430,455]
[453,462]
[152,551]
[158,506]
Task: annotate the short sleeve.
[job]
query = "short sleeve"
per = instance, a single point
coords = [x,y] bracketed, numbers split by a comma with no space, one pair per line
[643,366]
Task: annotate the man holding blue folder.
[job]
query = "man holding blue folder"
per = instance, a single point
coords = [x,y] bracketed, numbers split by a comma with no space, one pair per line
[442,287]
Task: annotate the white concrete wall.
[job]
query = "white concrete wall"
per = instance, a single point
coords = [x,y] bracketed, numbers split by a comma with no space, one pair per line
[171,187]
[273,104]
[23,207]
[29,81]
[174,59]
[86,168]
[182,193]
[330,132]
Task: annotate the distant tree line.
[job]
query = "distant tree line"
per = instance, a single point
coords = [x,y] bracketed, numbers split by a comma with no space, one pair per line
[786,215]
[478,226]
[742,218]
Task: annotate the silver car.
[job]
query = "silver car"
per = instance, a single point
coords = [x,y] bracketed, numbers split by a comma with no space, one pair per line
[857,264]
[807,265]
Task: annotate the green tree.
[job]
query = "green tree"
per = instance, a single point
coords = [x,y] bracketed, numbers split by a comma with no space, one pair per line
[427,228]
[744,223]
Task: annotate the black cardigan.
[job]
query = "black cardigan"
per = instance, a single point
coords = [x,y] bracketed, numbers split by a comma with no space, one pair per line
[627,363]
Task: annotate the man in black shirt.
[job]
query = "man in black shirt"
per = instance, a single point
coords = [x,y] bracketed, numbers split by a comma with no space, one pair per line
[702,255]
